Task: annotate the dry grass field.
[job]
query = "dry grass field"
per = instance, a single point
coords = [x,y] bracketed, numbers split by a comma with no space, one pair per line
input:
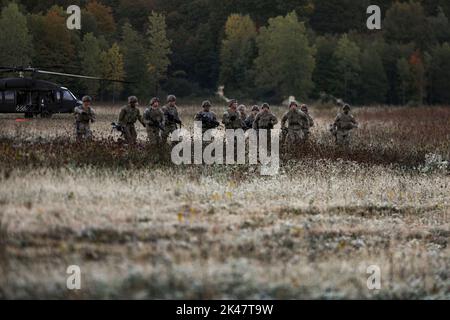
[139,228]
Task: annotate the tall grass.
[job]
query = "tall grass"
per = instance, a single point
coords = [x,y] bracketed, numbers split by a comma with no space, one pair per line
[399,136]
[140,227]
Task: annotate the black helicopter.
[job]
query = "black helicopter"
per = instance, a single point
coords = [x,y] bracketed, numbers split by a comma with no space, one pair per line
[34,97]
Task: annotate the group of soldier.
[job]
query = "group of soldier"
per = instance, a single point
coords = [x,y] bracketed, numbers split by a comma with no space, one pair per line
[160,122]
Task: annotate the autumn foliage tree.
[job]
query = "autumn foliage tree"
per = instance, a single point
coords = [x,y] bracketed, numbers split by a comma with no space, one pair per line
[259,49]
[52,40]
[103,16]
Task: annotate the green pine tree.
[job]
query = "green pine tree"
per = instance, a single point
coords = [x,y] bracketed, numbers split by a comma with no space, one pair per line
[159,51]
[347,56]
[374,84]
[324,75]
[113,69]
[440,74]
[15,41]
[404,80]
[286,61]
[134,56]
[237,54]
[90,60]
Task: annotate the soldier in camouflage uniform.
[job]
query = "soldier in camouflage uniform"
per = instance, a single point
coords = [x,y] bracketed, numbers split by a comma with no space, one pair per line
[242,109]
[265,119]
[84,116]
[248,123]
[232,121]
[296,121]
[232,118]
[207,117]
[171,117]
[128,117]
[307,129]
[154,122]
[343,125]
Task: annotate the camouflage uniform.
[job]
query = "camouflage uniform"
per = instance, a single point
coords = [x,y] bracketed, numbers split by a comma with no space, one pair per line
[83,118]
[171,120]
[127,118]
[265,120]
[343,125]
[248,122]
[154,123]
[208,120]
[307,129]
[297,122]
[242,109]
[232,120]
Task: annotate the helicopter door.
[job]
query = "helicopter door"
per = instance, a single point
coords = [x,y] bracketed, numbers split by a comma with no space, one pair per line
[9,102]
[24,103]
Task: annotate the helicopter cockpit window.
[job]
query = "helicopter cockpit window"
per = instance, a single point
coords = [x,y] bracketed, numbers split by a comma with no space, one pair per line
[68,96]
[58,96]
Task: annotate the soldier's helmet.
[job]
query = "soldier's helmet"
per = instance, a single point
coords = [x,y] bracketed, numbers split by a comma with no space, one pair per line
[304,107]
[293,103]
[86,99]
[132,99]
[171,98]
[265,105]
[242,108]
[255,108]
[232,101]
[153,100]
[346,107]
[206,103]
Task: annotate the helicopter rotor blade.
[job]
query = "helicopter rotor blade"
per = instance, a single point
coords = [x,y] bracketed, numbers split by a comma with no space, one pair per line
[78,76]
[7,69]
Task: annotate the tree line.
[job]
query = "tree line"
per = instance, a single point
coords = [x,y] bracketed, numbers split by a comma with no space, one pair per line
[266,50]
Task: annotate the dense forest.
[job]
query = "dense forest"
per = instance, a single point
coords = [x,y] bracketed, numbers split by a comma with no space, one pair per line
[256,49]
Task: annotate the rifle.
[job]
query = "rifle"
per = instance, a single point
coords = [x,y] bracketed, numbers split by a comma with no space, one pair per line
[209,123]
[156,124]
[172,119]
